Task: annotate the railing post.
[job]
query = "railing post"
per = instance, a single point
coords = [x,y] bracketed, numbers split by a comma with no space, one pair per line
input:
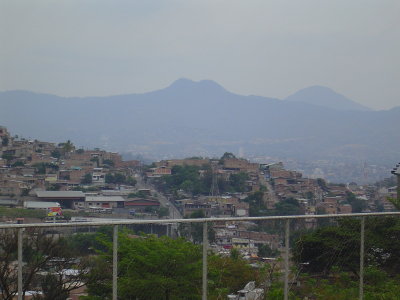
[286,287]
[362,241]
[115,264]
[205,245]
[20,236]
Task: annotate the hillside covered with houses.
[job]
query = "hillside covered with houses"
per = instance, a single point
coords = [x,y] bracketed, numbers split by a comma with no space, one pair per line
[87,184]
[47,182]
[75,179]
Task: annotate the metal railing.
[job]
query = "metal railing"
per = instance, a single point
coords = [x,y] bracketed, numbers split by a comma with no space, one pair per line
[205,222]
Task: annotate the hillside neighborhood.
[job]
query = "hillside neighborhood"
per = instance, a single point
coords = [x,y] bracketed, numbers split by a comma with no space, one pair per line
[187,150]
[88,184]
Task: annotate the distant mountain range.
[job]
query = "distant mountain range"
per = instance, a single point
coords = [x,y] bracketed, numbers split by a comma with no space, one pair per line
[202,118]
[324,96]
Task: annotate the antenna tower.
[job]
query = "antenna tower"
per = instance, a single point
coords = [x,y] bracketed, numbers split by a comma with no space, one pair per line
[214,185]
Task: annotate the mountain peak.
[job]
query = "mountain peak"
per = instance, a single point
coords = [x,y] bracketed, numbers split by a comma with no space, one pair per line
[188,84]
[182,82]
[324,96]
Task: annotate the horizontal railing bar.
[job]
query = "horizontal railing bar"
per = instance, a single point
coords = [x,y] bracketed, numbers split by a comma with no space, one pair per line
[199,220]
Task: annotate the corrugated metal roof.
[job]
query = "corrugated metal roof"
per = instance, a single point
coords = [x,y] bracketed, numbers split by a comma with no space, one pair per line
[8,202]
[104,199]
[60,194]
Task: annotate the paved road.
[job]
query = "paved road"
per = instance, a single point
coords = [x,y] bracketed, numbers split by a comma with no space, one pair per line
[174,213]
[271,196]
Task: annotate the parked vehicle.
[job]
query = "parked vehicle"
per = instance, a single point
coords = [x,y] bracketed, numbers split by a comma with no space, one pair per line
[40,204]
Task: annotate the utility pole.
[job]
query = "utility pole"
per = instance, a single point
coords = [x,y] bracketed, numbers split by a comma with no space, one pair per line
[214,185]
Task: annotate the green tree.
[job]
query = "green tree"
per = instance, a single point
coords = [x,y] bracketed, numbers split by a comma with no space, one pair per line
[56,153]
[357,205]
[108,162]
[116,178]
[109,178]
[119,178]
[5,141]
[321,250]
[185,178]
[342,286]
[89,243]
[287,207]
[67,146]
[194,231]
[266,251]
[18,163]
[87,179]
[339,246]
[322,184]
[256,204]
[131,181]
[54,187]
[149,268]
[42,254]
[163,212]
[187,186]
[234,254]
[8,157]
[41,167]
[229,274]
[164,268]
[226,155]
[198,214]
[238,182]
[25,192]
[394,201]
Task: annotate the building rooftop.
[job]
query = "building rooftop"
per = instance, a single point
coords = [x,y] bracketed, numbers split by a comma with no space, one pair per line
[60,194]
[104,199]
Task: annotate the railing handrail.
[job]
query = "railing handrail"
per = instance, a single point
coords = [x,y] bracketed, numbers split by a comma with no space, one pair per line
[198,220]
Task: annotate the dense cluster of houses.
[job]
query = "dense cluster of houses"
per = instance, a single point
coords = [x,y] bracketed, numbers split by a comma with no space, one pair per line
[34,171]
[315,196]
[43,175]
[30,168]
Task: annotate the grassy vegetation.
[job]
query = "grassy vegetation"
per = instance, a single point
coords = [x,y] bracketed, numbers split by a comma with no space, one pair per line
[22,213]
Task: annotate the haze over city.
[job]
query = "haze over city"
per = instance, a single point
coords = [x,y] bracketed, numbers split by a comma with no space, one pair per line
[212,149]
[265,48]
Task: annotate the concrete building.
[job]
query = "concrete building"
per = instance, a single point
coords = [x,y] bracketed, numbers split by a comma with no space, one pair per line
[67,199]
[103,202]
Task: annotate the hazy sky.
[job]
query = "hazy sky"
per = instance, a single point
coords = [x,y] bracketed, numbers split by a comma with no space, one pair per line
[261,47]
